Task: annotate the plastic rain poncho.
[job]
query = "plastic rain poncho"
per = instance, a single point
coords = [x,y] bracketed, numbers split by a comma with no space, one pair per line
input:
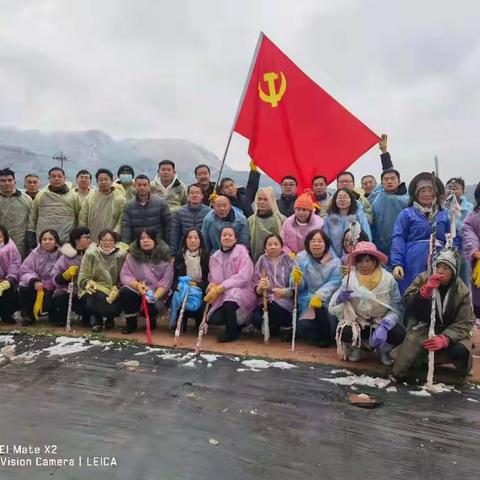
[100,211]
[261,227]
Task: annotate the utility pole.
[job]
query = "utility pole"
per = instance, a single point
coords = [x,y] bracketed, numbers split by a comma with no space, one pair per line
[61,158]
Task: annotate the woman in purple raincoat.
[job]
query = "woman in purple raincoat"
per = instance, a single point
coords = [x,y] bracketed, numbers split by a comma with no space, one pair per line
[146,271]
[272,274]
[10,261]
[65,271]
[36,275]
[230,289]
[471,248]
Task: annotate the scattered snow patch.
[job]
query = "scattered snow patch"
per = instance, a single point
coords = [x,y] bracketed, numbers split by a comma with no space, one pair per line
[420,393]
[472,400]
[391,390]
[363,380]
[257,365]
[67,346]
[7,339]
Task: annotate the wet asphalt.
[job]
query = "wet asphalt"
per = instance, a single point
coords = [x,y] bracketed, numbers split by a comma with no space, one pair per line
[171,418]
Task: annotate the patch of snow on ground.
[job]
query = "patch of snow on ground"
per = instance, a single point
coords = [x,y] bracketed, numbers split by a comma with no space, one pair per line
[363,380]
[7,339]
[341,370]
[209,357]
[420,393]
[472,400]
[67,346]
[391,390]
[257,365]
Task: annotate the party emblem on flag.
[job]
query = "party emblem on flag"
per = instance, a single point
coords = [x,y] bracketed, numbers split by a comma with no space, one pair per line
[273,97]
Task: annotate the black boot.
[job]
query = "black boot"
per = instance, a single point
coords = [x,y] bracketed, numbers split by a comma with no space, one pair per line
[110,323]
[131,324]
[97,324]
[231,331]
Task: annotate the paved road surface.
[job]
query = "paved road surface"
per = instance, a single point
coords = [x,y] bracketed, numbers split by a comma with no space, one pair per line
[157,420]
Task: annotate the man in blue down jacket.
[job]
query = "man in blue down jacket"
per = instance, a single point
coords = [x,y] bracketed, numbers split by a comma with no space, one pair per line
[189,216]
[145,212]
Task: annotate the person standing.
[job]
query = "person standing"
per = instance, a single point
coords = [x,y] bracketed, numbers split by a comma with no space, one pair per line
[471,249]
[240,197]
[31,185]
[145,211]
[103,208]
[322,195]
[189,216]
[286,202]
[202,176]
[55,207]
[266,220]
[409,253]
[15,209]
[84,184]
[224,215]
[167,186]
[125,180]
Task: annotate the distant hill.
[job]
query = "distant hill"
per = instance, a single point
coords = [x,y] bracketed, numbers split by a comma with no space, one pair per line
[31,151]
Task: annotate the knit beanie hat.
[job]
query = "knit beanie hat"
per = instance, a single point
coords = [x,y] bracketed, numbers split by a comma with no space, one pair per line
[450,258]
[304,201]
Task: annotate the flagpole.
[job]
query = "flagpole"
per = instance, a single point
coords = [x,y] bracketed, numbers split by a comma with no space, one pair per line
[240,102]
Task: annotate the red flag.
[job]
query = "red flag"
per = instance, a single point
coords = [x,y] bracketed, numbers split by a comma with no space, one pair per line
[294,126]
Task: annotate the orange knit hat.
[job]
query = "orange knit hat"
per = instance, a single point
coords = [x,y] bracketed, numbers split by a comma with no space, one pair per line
[304,201]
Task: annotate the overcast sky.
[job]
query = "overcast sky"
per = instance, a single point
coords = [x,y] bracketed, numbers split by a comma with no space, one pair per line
[176,69]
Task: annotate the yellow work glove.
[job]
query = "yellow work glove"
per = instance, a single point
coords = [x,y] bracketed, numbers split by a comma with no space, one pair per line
[292,255]
[193,284]
[297,275]
[91,287]
[213,197]
[316,302]
[113,295]
[253,167]
[70,272]
[214,293]
[4,285]
[398,273]
[38,305]
[475,274]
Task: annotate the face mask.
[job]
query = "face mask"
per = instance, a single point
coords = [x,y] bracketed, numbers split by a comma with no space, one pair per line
[125,178]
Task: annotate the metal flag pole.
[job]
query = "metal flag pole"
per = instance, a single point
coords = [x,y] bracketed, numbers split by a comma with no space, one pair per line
[240,102]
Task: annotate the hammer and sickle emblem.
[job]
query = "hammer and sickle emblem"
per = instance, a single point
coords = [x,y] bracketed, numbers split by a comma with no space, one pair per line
[273,97]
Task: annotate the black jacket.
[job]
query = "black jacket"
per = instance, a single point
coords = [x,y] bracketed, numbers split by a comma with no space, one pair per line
[180,269]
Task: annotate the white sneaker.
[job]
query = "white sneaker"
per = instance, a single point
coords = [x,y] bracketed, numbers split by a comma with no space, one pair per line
[354,354]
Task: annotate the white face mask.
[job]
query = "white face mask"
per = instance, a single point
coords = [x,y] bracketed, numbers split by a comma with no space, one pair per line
[106,252]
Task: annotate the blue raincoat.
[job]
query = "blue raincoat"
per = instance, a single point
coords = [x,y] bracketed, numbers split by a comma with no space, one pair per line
[386,208]
[336,225]
[322,278]
[411,241]
[194,299]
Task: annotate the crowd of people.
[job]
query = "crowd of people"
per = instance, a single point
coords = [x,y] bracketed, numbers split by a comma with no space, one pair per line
[356,268]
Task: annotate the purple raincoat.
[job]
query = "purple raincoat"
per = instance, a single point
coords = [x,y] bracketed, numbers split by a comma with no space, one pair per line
[278,273]
[293,233]
[69,257]
[38,266]
[155,275]
[10,261]
[234,271]
[470,245]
